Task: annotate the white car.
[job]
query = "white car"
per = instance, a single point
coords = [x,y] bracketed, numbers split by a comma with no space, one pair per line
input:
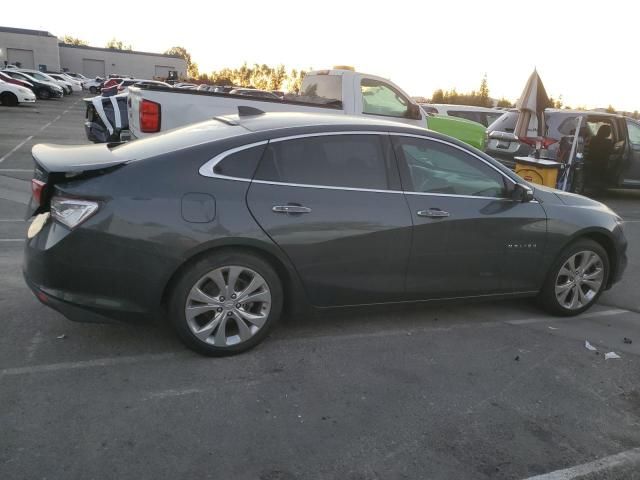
[188,86]
[484,115]
[77,76]
[11,95]
[43,77]
[76,86]
[94,85]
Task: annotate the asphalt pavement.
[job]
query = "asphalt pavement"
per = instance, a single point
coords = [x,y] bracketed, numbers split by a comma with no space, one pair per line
[496,390]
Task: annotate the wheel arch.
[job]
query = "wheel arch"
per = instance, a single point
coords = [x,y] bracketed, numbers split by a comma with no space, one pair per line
[8,94]
[605,239]
[290,281]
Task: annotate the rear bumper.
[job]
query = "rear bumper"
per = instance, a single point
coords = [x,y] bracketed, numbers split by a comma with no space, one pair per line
[70,310]
[72,287]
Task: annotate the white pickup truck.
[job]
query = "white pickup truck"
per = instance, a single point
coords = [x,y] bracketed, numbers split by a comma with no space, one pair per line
[156,109]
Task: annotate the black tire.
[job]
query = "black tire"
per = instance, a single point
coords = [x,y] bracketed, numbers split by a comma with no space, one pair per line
[93,90]
[8,99]
[44,94]
[547,296]
[192,276]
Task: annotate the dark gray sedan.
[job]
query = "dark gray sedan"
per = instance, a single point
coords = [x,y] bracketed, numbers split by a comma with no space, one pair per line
[221,225]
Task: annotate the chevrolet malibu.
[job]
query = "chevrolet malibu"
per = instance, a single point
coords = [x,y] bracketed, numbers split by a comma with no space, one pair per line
[220,226]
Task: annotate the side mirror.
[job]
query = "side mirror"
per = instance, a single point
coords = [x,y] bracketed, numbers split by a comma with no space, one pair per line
[413,112]
[522,193]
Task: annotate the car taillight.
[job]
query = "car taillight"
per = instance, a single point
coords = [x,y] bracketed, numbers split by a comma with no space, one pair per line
[149,116]
[37,187]
[72,211]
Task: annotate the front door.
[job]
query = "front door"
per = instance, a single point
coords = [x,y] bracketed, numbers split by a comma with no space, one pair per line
[331,202]
[469,238]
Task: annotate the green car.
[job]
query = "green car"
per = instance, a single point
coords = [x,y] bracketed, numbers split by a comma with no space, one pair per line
[467,131]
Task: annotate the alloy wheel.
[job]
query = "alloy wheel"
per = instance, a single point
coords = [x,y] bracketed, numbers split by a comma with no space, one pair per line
[579,280]
[228,306]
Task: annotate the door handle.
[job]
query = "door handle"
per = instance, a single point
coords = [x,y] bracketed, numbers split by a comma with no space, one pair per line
[291,209]
[433,213]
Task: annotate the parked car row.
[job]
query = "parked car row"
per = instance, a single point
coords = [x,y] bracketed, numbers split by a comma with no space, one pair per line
[43,85]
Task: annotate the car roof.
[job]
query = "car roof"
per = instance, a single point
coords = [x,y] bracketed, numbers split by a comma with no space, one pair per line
[281,120]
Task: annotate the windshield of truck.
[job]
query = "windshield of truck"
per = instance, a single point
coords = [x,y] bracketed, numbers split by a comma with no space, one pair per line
[326,88]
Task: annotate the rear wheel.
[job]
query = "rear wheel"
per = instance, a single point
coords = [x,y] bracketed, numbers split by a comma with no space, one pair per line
[8,99]
[226,304]
[44,94]
[577,278]
[93,89]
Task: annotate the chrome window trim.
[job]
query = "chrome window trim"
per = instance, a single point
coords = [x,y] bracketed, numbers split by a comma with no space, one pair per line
[206,170]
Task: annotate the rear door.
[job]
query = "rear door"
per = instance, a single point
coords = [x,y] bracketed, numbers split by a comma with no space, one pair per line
[469,238]
[332,203]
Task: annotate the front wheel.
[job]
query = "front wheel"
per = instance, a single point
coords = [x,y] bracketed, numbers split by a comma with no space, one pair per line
[93,90]
[226,303]
[576,279]
[8,99]
[44,94]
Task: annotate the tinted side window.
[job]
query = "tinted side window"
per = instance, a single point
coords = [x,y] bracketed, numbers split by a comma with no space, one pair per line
[355,161]
[240,164]
[434,167]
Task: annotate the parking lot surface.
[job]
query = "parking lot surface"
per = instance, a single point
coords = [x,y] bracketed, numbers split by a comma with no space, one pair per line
[478,390]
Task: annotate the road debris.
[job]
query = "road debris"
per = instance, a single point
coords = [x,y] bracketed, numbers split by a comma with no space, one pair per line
[588,346]
[627,340]
[552,328]
[517,359]
[611,356]
[61,337]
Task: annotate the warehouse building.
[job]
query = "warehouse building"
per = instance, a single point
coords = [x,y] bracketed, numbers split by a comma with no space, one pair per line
[41,50]
[99,62]
[29,49]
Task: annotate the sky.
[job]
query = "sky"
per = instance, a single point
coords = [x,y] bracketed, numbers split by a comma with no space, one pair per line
[586,51]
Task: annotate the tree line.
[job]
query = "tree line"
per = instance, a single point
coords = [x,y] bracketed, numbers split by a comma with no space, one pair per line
[278,77]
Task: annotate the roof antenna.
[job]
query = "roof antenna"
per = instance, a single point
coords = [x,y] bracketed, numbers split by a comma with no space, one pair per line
[249,111]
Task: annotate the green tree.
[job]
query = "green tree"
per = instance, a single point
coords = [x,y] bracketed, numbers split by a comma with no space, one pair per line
[636,115]
[553,103]
[69,40]
[503,102]
[610,109]
[118,45]
[438,96]
[192,67]
[483,94]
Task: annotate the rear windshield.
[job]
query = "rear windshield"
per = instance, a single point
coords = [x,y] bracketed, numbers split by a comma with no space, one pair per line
[176,139]
[327,87]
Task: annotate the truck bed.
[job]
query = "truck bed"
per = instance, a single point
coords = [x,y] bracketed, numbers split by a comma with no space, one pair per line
[181,107]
